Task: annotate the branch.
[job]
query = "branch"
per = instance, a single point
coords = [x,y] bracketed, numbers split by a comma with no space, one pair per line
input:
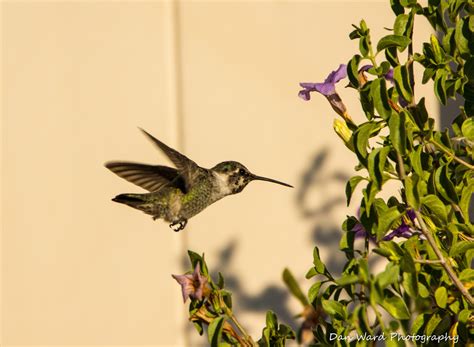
[426,232]
[426,261]
[452,155]
[447,267]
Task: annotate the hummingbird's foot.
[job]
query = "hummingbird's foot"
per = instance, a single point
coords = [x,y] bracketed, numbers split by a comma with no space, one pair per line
[179,225]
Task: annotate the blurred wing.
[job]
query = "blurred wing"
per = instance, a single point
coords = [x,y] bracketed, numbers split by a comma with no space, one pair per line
[186,167]
[149,177]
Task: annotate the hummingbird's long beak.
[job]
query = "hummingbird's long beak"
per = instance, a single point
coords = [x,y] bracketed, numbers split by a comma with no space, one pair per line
[261,178]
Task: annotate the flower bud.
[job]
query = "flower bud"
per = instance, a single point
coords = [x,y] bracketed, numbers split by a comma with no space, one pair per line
[343,132]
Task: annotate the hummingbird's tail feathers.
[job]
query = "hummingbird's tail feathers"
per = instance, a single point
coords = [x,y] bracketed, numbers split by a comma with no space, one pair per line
[149,177]
[132,200]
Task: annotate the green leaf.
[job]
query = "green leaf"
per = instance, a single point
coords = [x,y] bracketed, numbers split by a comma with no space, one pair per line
[396,307]
[444,185]
[407,264]
[393,41]
[466,195]
[396,124]
[423,291]
[461,247]
[432,323]
[378,92]
[420,114]
[391,54]
[411,192]
[353,70]
[440,85]
[294,287]
[361,140]
[410,283]
[441,297]
[418,324]
[346,280]
[373,167]
[402,81]
[334,308]
[397,8]
[351,185]
[462,36]
[198,326]
[464,315]
[196,258]
[227,296]
[466,275]
[385,221]
[400,26]
[389,276]
[467,128]
[369,194]
[438,324]
[364,45]
[439,54]
[383,252]
[366,100]
[314,291]
[415,160]
[271,320]
[214,332]
[311,273]
[347,240]
[220,281]
[318,264]
[436,206]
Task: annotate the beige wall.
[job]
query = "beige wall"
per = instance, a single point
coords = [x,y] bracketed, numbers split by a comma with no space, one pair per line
[219,80]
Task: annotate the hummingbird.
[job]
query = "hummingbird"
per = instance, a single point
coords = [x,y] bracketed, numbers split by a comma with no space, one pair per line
[177,194]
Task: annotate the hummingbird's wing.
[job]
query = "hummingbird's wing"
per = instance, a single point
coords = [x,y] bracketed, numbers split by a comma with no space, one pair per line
[149,177]
[185,166]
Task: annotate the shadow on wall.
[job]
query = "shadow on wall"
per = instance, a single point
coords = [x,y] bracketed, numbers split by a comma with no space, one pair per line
[325,233]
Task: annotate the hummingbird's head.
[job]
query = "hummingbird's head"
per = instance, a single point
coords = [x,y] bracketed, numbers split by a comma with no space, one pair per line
[235,176]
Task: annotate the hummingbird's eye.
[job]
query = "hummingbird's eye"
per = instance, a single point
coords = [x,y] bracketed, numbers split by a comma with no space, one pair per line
[242,172]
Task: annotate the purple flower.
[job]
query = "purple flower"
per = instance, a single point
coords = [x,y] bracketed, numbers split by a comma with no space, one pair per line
[328,89]
[192,285]
[404,230]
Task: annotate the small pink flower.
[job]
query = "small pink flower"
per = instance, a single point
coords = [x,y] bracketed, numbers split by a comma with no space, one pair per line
[192,285]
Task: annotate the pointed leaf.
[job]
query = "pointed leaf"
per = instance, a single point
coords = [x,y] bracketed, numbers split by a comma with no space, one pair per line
[444,185]
[214,332]
[396,307]
[294,287]
[334,308]
[397,135]
[436,206]
[393,41]
[402,82]
[351,185]
[460,248]
[378,92]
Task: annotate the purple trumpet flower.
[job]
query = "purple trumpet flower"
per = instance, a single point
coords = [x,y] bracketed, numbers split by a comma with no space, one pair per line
[328,89]
[404,230]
